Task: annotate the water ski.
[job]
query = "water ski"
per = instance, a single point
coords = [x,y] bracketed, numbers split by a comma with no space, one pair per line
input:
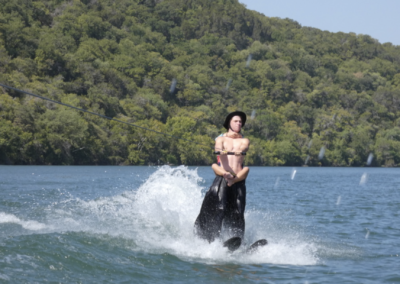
[256,245]
[233,243]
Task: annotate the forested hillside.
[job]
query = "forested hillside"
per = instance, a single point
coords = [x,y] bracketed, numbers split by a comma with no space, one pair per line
[179,67]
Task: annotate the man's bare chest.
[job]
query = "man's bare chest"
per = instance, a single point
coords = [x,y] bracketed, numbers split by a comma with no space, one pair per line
[233,144]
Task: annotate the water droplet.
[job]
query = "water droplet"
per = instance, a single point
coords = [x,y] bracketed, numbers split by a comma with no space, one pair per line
[228,84]
[321,153]
[310,143]
[370,158]
[363,179]
[173,85]
[276,182]
[367,234]
[253,114]
[307,159]
[248,60]
[293,174]
[339,199]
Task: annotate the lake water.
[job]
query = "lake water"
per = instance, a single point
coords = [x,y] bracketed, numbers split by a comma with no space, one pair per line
[72,224]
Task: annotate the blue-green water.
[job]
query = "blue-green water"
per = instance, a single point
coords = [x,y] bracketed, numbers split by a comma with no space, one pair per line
[135,225]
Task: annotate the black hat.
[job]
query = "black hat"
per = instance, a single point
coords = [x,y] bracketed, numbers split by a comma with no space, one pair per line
[232,114]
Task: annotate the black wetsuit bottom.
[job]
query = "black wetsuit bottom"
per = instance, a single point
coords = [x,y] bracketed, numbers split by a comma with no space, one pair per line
[222,206]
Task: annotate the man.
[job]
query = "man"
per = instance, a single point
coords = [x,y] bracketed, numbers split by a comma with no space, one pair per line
[225,201]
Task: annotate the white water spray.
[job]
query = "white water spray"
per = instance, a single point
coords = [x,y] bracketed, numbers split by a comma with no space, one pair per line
[26,224]
[158,216]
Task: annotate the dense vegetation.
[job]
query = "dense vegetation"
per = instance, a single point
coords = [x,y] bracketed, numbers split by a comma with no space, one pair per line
[179,66]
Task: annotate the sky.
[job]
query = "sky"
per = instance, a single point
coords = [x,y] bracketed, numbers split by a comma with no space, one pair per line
[379,19]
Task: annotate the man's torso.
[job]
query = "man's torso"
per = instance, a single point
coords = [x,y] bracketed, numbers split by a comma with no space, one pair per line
[233,145]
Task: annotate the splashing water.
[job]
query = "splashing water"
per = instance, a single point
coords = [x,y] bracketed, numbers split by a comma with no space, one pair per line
[158,218]
[29,225]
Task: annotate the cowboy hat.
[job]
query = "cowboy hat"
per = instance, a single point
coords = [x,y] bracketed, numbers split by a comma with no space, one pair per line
[232,114]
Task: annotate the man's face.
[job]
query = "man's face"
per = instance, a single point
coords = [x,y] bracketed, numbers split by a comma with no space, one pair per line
[236,123]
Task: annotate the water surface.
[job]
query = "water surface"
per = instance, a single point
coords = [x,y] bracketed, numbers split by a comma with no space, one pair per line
[88,224]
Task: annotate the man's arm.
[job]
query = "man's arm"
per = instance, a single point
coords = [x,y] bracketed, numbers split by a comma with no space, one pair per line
[245,145]
[219,171]
[219,144]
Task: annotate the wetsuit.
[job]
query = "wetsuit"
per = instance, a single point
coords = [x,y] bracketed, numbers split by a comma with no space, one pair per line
[222,206]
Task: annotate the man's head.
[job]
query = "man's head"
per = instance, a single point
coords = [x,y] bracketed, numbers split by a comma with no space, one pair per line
[235,121]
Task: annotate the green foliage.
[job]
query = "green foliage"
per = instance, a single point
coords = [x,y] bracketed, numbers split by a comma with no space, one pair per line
[179,67]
